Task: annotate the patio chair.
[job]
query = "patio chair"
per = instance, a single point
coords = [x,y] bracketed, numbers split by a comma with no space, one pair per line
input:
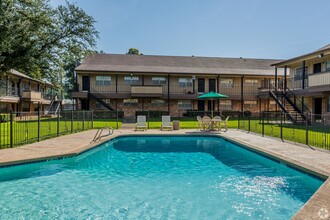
[200,122]
[206,123]
[166,123]
[224,123]
[216,123]
[141,123]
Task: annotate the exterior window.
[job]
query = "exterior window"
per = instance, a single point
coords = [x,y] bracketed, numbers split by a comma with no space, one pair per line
[25,107]
[327,67]
[184,104]
[26,87]
[251,82]
[225,105]
[226,83]
[159,80]
[103,80]
[99,106]
[131,102]
[157,102]
[299,72]
[131,80]
[251,103]
[185,82]
[328,104]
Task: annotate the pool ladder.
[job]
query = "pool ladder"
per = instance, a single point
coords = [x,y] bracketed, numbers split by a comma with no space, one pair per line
[99,132]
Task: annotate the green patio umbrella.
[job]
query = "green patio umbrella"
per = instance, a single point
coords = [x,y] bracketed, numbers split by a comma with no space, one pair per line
[212,96]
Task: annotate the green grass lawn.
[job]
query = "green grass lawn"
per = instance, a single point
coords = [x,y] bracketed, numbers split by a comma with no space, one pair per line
[27,131]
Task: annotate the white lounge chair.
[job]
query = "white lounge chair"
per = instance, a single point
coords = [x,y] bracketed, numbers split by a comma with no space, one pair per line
[141,123]
[224,123]
[166,122]
[200,122]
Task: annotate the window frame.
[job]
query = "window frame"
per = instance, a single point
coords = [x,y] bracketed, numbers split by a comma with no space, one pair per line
[226,85]
[131,80]
[158,80]
[131,103]
[185,82]
[103,82]
[185,106]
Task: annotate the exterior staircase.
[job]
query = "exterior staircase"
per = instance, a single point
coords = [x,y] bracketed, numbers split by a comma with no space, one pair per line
[99,100]
[296,111]
[54,107]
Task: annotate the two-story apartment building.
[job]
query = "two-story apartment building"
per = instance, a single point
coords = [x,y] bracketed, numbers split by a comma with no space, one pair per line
[21,93]
[310,79]
[132,83]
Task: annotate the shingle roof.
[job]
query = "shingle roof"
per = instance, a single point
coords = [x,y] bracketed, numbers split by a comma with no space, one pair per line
[323,50]
[19,74]
[176,64]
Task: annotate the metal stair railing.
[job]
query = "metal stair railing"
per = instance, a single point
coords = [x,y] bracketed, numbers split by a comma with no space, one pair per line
[91,95]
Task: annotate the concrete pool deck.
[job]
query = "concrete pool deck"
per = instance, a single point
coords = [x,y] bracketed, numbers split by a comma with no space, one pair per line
[313,161]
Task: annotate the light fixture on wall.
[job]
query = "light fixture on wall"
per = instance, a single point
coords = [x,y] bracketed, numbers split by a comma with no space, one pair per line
[321,55]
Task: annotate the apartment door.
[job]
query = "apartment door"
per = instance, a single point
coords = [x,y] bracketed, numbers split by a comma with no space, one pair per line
[212,87]
[201,85]
[84,104]
[200,105]
[85,83]
[318,106]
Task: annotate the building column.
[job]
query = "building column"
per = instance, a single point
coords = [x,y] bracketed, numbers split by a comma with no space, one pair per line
[168,94]
[116,83]
[242,92]
[276,78]
[285,80]
[218,90]
[303,84]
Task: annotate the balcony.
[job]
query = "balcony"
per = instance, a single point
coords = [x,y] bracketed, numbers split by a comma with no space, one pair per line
[146,91]
[32,96]
[319,79]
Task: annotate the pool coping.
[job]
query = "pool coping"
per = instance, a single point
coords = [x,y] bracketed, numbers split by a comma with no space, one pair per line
[316,207]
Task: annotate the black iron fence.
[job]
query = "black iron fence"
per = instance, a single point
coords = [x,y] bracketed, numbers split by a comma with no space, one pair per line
[19,128]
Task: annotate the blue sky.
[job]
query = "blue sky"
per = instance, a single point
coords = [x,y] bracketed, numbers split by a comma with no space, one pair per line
[215,28]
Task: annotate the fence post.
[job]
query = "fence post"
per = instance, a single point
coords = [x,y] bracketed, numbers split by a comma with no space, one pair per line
[92,119]
[11,128]
[249,123]
[83,120]
[263,124]
[239,117]
[117,118]
[71,121]
[281,126]
[148,118]
[38,122]
[58,123]
[306,128]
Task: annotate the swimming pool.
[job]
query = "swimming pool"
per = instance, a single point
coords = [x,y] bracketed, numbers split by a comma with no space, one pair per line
[162,177]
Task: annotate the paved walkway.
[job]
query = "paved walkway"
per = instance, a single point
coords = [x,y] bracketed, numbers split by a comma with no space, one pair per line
[315,161]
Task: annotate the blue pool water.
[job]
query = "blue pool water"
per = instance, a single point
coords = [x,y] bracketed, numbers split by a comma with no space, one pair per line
[156,178]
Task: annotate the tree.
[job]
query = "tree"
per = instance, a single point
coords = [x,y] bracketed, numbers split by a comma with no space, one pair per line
[38,39]
[133,51]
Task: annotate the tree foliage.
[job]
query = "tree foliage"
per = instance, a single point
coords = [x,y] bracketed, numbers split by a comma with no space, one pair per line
[42,41]
[133,51]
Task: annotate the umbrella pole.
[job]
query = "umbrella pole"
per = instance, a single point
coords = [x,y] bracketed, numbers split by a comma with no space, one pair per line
[212,108]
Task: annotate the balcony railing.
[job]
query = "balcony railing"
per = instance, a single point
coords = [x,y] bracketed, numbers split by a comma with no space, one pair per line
[319,79]
[163,89]
[146,90]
